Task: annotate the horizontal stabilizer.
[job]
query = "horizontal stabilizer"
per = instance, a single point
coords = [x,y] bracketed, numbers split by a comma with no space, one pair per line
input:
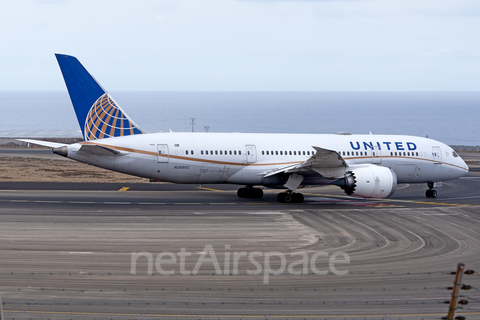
[44,143]
[101,150]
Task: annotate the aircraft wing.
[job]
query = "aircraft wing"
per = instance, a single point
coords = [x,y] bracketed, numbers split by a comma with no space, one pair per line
[44,143]
[322,159]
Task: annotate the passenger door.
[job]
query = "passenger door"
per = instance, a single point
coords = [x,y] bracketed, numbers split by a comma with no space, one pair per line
[251,154]
[162,153]
[437,155]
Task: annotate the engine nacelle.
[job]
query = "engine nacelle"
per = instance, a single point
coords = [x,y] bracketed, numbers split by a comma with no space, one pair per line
[369,182]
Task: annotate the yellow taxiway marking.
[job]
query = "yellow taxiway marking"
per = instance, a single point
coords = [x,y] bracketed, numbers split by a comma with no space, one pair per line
[242,316]
[124,189]
[210,189]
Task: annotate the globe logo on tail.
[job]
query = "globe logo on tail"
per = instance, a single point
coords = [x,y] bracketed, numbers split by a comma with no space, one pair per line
[105,119]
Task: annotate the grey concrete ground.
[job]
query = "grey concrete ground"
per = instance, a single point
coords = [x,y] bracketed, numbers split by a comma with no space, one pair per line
[66,252]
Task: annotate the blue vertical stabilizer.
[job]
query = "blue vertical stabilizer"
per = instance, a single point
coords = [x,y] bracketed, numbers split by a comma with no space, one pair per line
[98,115]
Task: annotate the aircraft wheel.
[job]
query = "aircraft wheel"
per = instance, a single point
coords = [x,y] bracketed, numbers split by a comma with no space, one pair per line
[250,193]
[431,193]
[241,193]
[286,197]
[298,197]
[257,193]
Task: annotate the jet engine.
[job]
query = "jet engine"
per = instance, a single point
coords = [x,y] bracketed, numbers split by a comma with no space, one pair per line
[369,182]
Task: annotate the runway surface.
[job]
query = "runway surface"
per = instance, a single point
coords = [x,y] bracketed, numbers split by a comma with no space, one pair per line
[66,252]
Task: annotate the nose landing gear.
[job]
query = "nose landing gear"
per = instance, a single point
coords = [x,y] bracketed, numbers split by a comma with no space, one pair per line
[431,193]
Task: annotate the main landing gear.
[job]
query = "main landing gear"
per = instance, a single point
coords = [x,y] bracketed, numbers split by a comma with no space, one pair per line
[431,193]
[290,197]
[250,193]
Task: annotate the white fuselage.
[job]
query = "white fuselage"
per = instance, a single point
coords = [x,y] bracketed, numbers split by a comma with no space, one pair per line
[245,158]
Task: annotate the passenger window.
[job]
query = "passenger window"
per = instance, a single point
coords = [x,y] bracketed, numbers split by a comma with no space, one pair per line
[348,153]
[290,152]
[263,152]
[357,153]
[408,154]
[239,152]
[404,154]
[303,152]
[235,152]
[216,152]
[417,154]
[230,152]
[201,152]
[391,153]
[206,152]
[191,152]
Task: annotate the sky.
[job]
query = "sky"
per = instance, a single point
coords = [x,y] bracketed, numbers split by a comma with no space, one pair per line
[244,45]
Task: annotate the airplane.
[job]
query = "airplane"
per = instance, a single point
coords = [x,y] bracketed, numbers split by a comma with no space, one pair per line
[363,165]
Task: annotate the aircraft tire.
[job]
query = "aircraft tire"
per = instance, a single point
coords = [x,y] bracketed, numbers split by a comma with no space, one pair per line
[285,197]
[250,193]
[288,198]
[257,193]
[241,193]
[431,193]
[298,197]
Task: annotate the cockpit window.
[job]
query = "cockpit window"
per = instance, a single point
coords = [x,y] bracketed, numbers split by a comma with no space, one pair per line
[455,154]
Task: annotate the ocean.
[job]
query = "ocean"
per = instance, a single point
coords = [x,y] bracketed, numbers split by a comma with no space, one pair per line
[450,117]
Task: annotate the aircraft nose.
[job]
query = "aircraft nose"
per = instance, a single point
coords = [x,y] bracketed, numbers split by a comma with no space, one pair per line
[462,166]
